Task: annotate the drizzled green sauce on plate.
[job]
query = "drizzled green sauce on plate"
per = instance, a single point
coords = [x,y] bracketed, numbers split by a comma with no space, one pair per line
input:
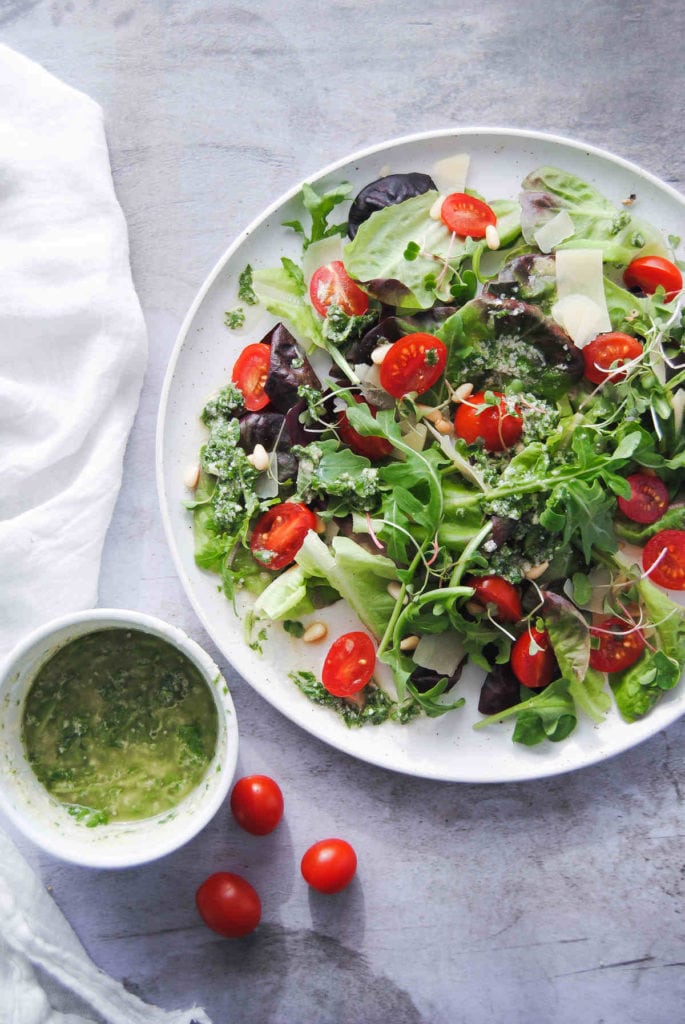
[119,725]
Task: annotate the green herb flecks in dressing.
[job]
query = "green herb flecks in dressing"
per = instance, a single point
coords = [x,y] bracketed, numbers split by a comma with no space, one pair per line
[119,725]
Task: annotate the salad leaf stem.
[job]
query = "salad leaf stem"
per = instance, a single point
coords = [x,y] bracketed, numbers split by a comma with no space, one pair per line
[465,557]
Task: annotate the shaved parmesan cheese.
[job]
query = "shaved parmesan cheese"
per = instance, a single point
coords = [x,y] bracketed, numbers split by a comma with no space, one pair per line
[370,380]
[580,272]
[554,232]
[581,318]
[451,173]
[414,434]
[440,652]
[580,278]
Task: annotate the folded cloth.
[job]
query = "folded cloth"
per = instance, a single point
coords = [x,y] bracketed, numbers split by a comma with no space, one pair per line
[35,935]
[72,357]
[72,347]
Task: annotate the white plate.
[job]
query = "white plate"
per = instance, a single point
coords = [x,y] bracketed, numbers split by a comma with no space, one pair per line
[445,748]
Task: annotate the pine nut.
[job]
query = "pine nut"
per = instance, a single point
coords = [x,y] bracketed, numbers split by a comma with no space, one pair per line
[379,354]
[462,393]
[409,643]
[444,426]
[314,632]
[492,237]
[435,212]
[536,570]
[259,458]
[191,477]
[394,589]
[473,608]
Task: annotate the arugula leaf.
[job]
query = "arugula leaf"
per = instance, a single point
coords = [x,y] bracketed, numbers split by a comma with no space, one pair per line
[319,206]
[583,513]
[412,501]
[428,699]
[348,482]
[549,715]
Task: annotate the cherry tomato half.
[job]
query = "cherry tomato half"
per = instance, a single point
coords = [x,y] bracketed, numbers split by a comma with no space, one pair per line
[646,273]
[648,499]
[536,668]
[249,374]
[349,664]
[329,865]
[619,645]
[477,420]
[257,804]
[413,363]
[371,446]
[499,592]
[665,551]
[280,532]
[466,215]
[604,351]
[228,905]
[332,285]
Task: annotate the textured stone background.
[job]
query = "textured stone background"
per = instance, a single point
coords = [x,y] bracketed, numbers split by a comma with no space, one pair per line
[555,901]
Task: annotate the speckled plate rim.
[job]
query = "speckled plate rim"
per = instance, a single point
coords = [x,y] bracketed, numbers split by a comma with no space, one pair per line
[518,764]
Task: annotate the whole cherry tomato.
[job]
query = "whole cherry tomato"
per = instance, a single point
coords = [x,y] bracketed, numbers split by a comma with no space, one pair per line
[663,559]
[648,498]
[331,285]
[250,371]
[279,534]
[228,905]
[477,419]
[620,645]
[532,659]
[466,215]
[329,865]
[257,804]
[413,363]
[606,354]
[646,273]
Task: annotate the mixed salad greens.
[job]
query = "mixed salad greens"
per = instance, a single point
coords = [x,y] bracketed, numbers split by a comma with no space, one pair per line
[467,423]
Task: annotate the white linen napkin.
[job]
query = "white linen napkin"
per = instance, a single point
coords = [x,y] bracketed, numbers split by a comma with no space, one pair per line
[72,357]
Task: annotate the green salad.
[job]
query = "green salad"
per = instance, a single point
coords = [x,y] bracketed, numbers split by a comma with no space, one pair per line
[466,422]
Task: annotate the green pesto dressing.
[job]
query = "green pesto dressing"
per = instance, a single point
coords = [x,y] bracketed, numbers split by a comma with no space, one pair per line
[119,725]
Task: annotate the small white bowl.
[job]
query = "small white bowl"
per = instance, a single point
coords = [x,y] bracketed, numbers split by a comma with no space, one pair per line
[46,821]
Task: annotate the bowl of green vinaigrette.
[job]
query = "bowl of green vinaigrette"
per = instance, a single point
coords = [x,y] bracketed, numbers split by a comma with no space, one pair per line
[118,738]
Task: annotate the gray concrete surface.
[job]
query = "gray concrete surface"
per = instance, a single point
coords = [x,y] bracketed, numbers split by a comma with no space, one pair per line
[555,901]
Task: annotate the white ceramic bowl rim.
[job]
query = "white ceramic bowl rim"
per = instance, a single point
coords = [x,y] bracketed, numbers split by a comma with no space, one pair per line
[46,822]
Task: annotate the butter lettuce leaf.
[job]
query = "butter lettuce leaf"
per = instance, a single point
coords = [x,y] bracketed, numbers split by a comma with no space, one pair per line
[359,576]
[409,259]
[598,223]
[282,290]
